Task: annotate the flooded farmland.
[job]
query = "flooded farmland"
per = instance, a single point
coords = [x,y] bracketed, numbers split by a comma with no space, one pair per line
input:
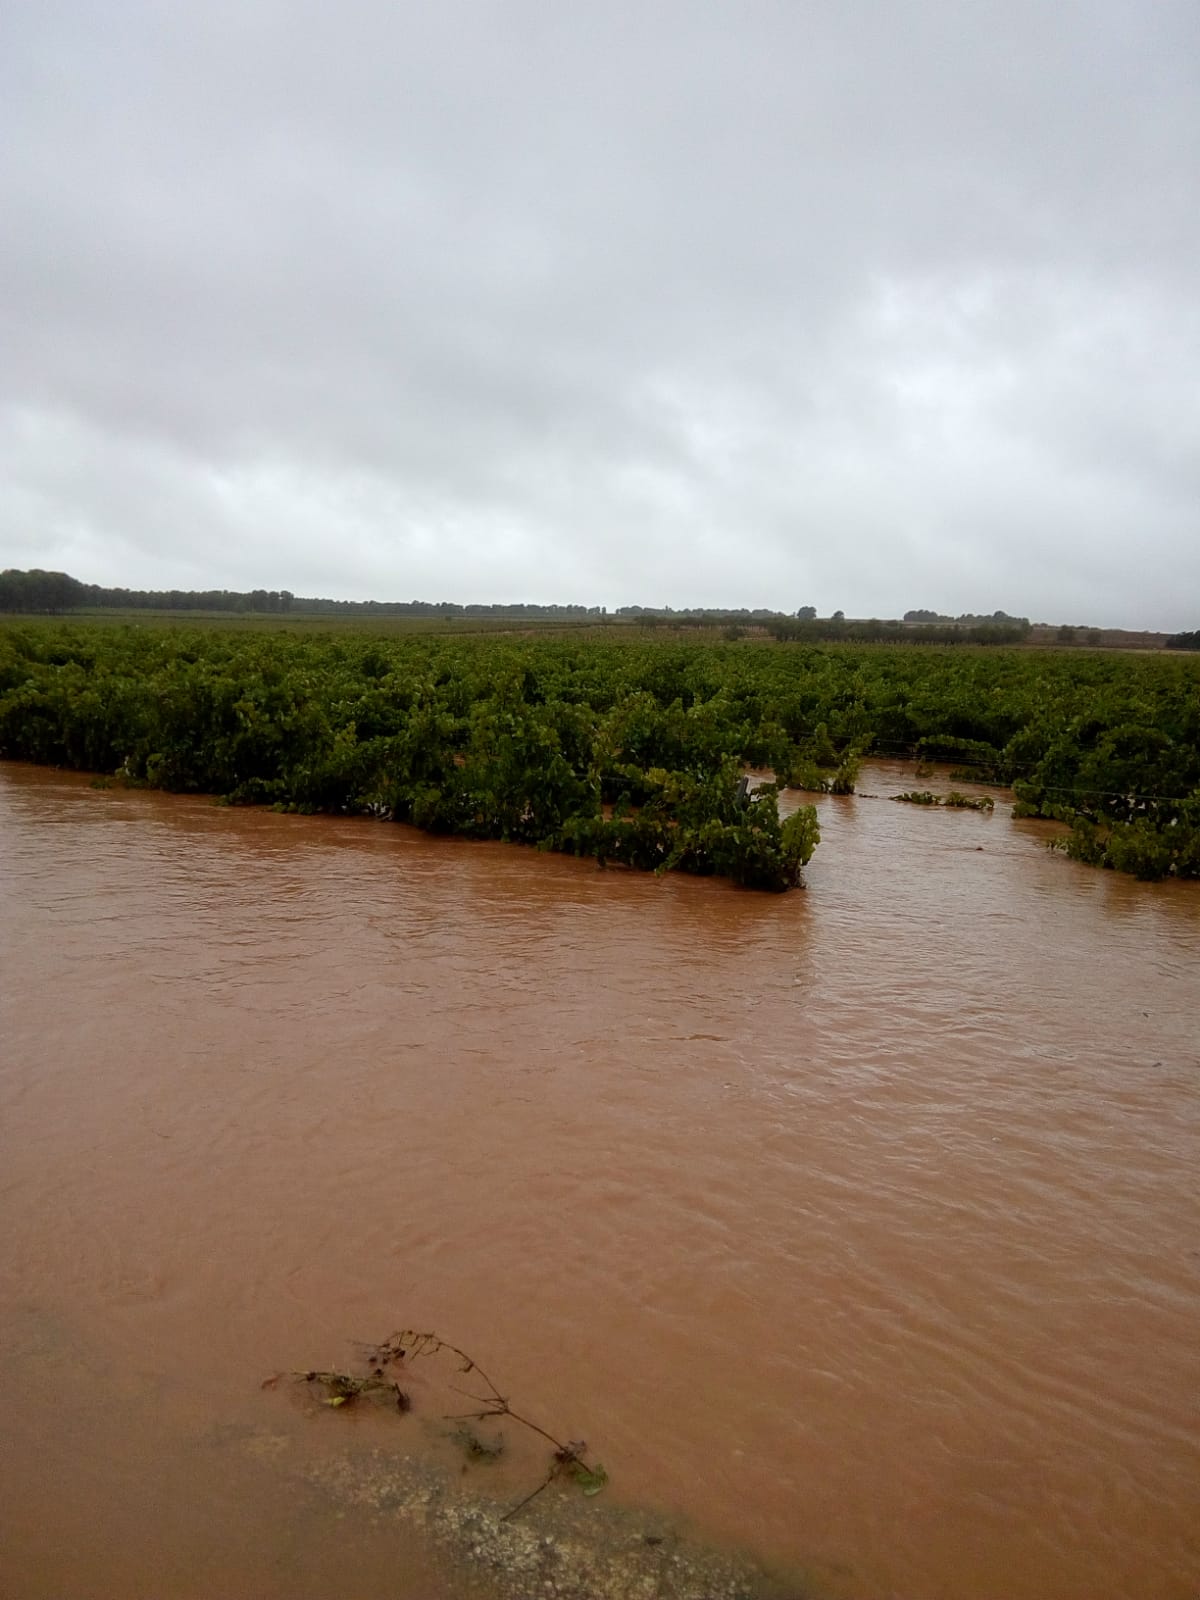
[857,1230]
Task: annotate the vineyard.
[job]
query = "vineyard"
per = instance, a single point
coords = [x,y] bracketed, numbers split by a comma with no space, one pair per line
[631,751]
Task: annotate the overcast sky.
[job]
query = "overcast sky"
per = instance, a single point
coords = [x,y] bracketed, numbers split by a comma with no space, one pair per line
[857,304]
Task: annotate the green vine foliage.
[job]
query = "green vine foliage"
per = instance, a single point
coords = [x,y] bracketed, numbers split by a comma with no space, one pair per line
[630,750]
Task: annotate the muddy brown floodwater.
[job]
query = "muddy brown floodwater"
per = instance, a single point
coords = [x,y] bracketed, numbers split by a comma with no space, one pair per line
[859,1228]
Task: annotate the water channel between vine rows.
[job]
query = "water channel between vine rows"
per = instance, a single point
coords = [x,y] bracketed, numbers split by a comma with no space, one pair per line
[858,1227]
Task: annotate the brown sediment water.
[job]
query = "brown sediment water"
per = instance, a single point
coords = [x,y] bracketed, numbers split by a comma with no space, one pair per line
[859,1227]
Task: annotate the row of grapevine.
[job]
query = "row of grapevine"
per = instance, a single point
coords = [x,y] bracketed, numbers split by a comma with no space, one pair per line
[630,750]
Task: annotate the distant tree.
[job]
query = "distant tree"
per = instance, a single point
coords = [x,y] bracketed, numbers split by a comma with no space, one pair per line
[839,616]
[1066,634]
[1184,641]
[38,591]
[806,613]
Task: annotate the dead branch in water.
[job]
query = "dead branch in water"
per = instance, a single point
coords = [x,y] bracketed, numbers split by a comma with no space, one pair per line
[407,1346]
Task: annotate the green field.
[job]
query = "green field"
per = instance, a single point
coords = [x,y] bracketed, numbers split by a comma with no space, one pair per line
[605,741]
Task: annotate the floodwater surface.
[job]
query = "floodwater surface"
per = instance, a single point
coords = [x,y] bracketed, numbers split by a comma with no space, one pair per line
[857,1227]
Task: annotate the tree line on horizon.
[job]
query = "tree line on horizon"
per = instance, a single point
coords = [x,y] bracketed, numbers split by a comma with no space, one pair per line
[55,593]
[52,593]
[37,592]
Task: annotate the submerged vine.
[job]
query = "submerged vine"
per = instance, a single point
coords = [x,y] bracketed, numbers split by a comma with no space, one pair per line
[399,1352]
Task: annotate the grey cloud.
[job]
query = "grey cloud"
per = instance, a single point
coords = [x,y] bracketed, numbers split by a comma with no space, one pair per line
[757,305]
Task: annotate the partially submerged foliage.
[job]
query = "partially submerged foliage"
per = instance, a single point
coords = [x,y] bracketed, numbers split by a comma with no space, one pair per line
[631,751]
[954,801]
[562,750]
[476,1446]
[1135,847]
[340,1388]
[967,802]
